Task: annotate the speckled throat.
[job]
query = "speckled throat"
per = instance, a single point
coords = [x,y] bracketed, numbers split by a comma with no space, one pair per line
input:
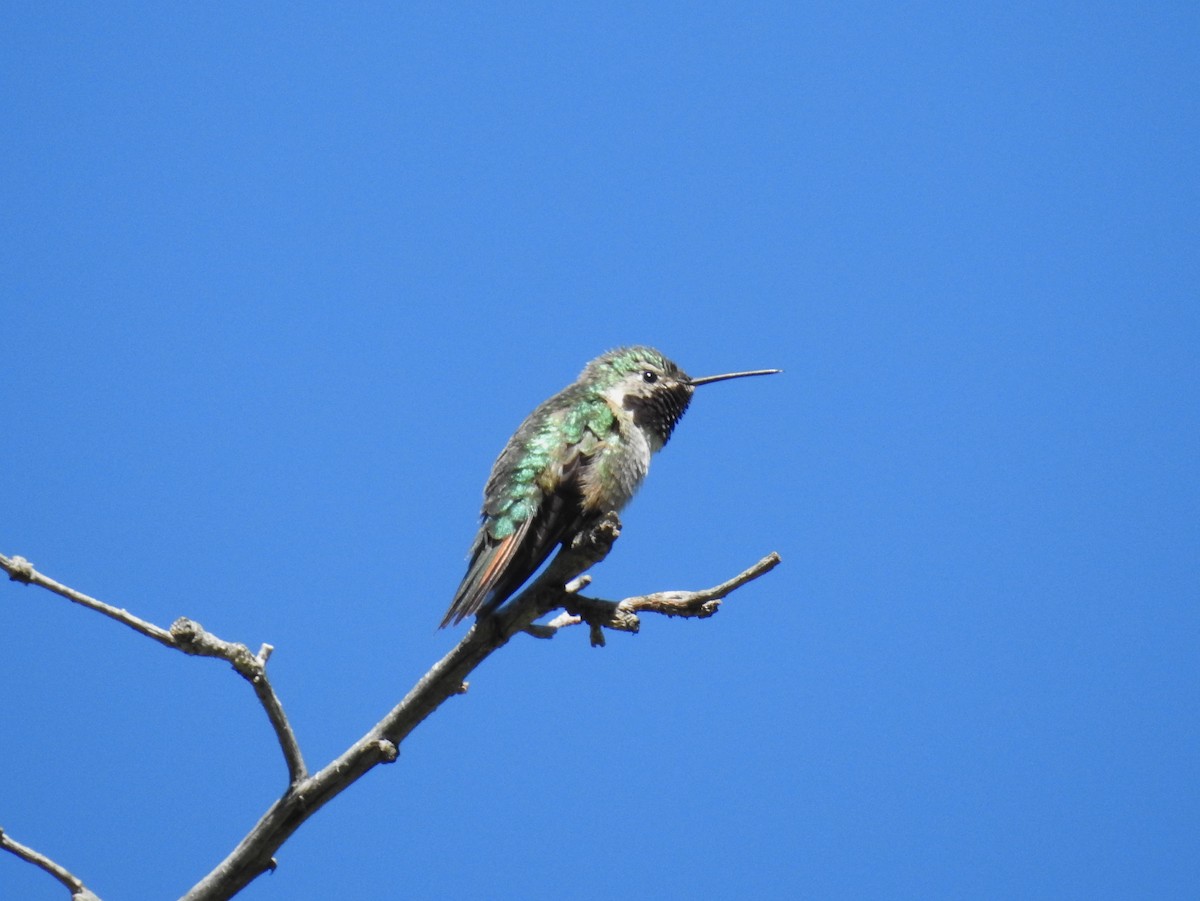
[660,411]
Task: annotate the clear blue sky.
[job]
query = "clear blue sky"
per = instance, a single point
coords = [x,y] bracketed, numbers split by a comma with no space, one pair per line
[280,280]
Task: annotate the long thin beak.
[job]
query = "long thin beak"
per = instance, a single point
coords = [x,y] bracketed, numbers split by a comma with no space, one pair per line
[704,380]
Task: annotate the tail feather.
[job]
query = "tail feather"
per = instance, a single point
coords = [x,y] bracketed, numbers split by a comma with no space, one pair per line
[478,587]
[499,567]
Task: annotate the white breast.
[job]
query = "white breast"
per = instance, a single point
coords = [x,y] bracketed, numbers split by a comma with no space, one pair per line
[619,466]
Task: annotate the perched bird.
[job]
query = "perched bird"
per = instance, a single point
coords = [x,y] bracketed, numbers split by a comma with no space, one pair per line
[579,455]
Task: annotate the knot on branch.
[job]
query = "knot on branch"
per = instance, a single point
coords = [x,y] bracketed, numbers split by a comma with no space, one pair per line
[593,543]
[186,632]
[600,615]
[20,570]
[192,638]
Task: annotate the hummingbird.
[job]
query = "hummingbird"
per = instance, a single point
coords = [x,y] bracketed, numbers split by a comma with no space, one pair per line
[579,455]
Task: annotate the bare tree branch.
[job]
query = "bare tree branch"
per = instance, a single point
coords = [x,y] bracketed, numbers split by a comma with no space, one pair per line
[557,587]
[21,570]
[79,892]
[623,615]
[254,854]
[190,638]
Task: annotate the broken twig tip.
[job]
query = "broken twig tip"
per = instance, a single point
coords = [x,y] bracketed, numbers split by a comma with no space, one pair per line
[388,752]
[577,584]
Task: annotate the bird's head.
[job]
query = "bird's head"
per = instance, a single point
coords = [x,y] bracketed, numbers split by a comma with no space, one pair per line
[649,386]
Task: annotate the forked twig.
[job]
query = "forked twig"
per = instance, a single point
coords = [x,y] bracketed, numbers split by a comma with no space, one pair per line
[556,588]
[190,638]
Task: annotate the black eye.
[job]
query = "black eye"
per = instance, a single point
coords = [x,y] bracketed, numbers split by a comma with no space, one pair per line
[650,377]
